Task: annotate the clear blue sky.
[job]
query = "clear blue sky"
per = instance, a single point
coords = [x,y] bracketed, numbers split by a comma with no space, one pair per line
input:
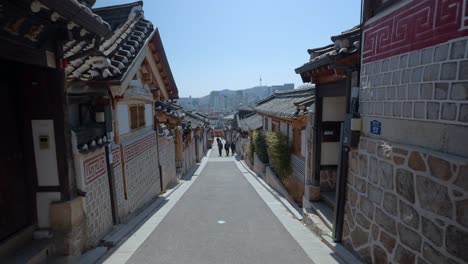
[229,44]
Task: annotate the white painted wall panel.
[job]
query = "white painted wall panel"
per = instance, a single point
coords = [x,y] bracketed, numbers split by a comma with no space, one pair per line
[334,108]
[330,153]
[149,115]
[123,119]
[43,200]
[46,157]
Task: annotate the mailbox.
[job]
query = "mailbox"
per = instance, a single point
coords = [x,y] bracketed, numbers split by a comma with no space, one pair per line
[331,131]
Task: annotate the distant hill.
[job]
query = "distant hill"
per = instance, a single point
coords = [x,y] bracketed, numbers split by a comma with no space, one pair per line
[229,100]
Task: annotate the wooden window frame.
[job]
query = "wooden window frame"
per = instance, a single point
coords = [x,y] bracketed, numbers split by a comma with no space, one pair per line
[137,116]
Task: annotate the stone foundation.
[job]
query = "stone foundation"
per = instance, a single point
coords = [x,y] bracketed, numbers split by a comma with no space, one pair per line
[328,180]
[167,160]
[406,204]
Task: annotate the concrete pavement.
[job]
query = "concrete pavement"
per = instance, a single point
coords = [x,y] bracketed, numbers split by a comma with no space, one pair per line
[222,215]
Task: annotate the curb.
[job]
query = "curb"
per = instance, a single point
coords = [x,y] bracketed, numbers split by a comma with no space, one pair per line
[295,211]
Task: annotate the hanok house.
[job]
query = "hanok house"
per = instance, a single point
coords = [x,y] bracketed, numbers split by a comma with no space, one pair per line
[333,70]
[247,121]
[286,112]
[408,181]
[113,84]
[36,157]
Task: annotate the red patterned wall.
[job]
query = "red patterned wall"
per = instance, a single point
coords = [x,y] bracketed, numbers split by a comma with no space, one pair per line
[419,24]
[133,150]
[94,168]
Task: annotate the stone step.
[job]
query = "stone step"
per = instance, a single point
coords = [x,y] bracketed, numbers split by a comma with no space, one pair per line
[328,198]
[34,252]
[324,212]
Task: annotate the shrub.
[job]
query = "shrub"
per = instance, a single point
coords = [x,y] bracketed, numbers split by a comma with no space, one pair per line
[260,146]
[280,154]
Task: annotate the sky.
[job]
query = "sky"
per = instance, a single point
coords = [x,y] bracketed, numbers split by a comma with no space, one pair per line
[231,44]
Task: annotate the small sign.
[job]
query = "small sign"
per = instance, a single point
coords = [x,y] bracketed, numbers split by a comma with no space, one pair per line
[375,127]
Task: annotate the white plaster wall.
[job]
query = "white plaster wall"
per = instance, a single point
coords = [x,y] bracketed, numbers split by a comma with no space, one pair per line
[149,115]
[44,199]
[334,108]
[330,151]
[46,159]
[123,119]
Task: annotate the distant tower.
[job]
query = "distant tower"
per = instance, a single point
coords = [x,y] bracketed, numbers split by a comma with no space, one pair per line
[260,80]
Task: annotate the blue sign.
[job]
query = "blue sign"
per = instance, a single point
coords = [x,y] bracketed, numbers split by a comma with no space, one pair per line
[375,127]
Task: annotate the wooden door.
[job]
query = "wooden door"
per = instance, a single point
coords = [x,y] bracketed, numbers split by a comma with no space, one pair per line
[14,205]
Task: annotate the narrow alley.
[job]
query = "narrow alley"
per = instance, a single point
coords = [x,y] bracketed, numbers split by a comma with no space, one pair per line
[222,214]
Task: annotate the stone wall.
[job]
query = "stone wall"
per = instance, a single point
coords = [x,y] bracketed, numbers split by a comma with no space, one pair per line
[328,180]
[259,167]
[167,160]
[122,204]
[406,204]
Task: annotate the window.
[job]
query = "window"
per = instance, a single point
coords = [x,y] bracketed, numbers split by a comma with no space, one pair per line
[137,116]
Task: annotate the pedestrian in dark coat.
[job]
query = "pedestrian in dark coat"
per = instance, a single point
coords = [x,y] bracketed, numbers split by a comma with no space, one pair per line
[220,148]
[226,147]
[233,148]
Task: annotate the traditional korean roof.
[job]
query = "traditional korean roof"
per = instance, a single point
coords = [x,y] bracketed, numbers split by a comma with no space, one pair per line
[109,58]
[194,120]
[170,108]
[252,122]
[289,104]
[344,44]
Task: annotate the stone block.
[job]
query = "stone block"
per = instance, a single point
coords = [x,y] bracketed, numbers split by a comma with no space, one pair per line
[407,110]
[371,147]
[434,197]
[404,256]
[401,93]
[388,109]
[385,65]
[413,92]
[363,165]
[448,71]
[396,77]
[359,237]
[362,220]
[405,184]
[354,164]
[366,207]
[441,52]
[365,254]
[397,109]
[393,63]
[441,91]
[456,242]
[409,215]
[432,231]
[363,106]
[403,61]
[370,108]
[419,110]
[375,231]
[463,113]
[462,177]
[386,176]
[387,78]
[414,58]
[380,257]
[391,93]
[416,162]
[459,91]
[385,221]
[431,72]
[426,90]
[387,241]
[373,170]
[406,76]
[409,237]
[377,67]
[462,212]
[427,55]
[378,109]
[360,184]
[433,110]
[374,193]
[458,49]
[416,74]
[390,203]
[433,255]
[439,168]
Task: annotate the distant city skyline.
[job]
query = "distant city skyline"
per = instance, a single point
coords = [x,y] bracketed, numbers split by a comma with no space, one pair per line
[216,45]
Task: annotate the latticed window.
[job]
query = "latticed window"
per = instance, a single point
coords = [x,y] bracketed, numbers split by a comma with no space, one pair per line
[137,116]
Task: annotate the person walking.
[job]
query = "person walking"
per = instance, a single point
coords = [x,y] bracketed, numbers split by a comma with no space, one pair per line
[226,147]
[220,147]
[233,148]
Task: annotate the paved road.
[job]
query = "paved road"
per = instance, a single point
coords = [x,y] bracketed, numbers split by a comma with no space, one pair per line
[220,218]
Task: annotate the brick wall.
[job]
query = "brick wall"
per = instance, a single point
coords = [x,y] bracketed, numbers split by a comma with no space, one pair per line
[167,159]
[97,201]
